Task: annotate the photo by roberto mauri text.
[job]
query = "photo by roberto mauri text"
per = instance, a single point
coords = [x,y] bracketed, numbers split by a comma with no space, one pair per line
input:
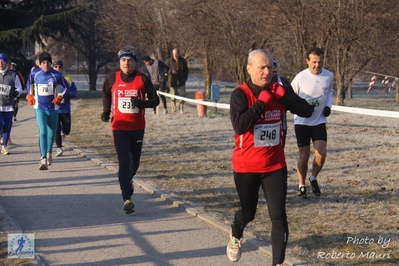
[381,242]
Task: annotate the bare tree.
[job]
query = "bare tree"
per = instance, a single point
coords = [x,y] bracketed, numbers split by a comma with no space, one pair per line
[346,30]
[293,33]
[87,40]
[236,26]
[350,32]
[141,23]
[386,45]
[224,31]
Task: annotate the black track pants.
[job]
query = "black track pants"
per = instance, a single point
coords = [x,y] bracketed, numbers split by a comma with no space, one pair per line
[128,146]
[64,126]
[274,187]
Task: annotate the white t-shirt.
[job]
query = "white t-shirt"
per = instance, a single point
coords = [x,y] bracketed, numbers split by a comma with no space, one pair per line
[316,90]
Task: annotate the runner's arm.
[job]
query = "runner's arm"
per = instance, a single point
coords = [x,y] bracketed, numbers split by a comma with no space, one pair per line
[242,117]
[152,96]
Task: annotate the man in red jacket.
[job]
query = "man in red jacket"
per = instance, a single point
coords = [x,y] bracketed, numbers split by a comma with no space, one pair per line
[124,93]
[256,112]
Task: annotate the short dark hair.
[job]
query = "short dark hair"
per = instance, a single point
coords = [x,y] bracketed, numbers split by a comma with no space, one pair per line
[59,63]
[314,50]
[45,57]
[146,58]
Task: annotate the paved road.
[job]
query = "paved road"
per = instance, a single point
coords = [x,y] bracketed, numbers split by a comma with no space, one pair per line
[75,212]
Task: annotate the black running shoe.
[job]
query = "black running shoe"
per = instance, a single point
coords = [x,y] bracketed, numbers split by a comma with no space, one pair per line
[315,187]
[302,192]
[128,206]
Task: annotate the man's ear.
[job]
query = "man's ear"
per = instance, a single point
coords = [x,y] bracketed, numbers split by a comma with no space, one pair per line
[249,69]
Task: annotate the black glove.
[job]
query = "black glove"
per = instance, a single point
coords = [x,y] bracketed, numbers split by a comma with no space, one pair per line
[326,111]
[14,93]
[67,98]
[312,107]
[105,117]
[136,102]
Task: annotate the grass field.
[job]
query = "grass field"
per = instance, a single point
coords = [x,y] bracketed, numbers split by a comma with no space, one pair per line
[354,222]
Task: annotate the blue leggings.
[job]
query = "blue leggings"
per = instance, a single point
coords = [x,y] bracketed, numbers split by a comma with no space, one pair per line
[47,123]
[5,125]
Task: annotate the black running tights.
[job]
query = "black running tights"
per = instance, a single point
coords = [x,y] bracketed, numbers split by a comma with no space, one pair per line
[274,187]
[64,126]
[128,146]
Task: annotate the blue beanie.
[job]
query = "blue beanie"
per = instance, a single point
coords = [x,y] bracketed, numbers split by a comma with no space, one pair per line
[4,57]
[127,51]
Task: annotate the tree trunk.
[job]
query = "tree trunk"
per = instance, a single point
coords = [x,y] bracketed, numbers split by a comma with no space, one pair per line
[207,69]
[340,89]
[397,92]
[350,88]
[207,78]
[92,71]
[340,95]
[241,74]
[92,82]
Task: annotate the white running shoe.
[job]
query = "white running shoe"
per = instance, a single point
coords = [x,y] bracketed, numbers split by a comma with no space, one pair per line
[233,249]
[4,150]
[43,164]
[49,158]
[59,152]
[165,111]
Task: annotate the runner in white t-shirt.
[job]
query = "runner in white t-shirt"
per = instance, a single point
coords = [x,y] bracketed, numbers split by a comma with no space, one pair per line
[314,84]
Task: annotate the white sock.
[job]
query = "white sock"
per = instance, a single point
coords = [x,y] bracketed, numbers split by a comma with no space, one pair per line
[311,178]
[301,186]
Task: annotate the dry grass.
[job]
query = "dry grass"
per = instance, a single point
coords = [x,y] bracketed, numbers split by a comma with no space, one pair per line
[190,158]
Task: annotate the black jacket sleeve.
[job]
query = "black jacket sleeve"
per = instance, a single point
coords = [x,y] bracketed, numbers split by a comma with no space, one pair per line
[242,117]
[293,102]
[106,93]
[163,71]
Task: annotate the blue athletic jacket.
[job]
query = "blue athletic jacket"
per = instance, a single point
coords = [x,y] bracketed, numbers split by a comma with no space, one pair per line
[45,88]
[66,105]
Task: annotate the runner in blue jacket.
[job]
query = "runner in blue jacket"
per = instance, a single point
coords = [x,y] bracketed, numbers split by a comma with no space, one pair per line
[64,114]
[42,93]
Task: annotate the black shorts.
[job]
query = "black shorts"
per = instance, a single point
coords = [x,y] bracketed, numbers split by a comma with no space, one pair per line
[306,133]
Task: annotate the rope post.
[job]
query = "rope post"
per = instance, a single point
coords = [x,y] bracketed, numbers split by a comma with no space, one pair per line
[201,109]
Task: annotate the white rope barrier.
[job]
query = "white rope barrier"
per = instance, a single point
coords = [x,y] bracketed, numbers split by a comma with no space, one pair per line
[353,110]
[202,102]
[363,111]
